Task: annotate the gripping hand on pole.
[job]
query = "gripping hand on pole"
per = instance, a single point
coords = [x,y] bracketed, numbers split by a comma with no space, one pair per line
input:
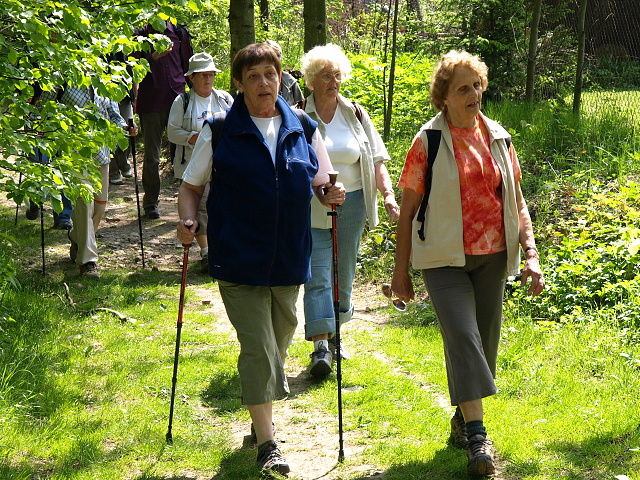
[331,193]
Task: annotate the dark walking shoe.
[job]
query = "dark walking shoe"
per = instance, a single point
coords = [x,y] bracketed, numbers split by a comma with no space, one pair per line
[320,363]
[480,454]
[89,270]
[271,460]
[204,264]
[152,212]
[458,436]
[33,212]
[63,224]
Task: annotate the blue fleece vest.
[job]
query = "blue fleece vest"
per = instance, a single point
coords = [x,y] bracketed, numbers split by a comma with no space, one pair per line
[259,226]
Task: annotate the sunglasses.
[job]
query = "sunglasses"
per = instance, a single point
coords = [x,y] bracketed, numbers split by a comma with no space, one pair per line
[327,77]
[397,303]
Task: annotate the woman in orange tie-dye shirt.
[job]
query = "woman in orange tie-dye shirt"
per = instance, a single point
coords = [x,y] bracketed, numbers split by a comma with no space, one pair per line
[476,220]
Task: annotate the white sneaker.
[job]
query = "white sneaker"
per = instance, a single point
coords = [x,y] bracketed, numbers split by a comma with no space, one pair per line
[321,362]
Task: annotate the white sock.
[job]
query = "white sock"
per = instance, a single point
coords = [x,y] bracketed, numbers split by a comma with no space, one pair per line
[321,343]
[204,251]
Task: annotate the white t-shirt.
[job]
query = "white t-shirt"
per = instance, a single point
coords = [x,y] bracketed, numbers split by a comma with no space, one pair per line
[202,109]
[344,151]
[269,127]
[198,171]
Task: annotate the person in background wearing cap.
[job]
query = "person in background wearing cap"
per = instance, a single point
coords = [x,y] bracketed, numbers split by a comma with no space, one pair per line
[186,117]
[289,88]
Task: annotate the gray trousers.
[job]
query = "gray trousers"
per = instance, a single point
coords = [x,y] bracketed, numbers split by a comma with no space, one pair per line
[153,126]
[468,303]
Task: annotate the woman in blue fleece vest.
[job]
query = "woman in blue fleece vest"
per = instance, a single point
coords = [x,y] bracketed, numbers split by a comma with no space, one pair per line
[263,175]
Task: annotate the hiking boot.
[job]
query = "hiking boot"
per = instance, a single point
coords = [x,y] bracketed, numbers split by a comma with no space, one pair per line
[33,212]
[89,270]
[254,437]
[152,212]
[320,363]
[480,454]
[204,264]
[127,173]
[458,437]
[63,224]
[343,352]
[270,459]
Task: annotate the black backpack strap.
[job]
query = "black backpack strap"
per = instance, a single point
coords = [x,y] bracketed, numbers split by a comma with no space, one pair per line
[306,125]
[185,101]
[216,124]
[358,111]
[508,142]
[433,145]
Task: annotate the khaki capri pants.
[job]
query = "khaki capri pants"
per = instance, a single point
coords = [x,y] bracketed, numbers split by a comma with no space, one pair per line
[468,304]
[265,321]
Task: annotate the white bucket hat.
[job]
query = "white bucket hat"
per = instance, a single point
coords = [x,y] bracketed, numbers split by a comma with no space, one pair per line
[201,62]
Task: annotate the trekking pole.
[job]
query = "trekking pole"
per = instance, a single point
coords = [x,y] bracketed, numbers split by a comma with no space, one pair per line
[333,176]
[132,140]
[42,236]
[17,204]
[174,379]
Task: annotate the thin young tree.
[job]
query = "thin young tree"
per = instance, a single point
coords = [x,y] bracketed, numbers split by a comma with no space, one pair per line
[533,50]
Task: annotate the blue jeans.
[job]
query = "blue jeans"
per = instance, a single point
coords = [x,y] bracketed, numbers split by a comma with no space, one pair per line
[318,292]
[67,206]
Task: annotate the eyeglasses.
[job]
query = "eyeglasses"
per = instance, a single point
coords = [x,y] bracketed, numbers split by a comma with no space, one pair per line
[397,303]
[327,77]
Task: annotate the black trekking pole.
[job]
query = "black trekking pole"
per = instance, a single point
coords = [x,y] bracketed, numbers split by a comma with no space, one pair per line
[42,236]
[174,379]
[132,140]
[17,204]
[333,176]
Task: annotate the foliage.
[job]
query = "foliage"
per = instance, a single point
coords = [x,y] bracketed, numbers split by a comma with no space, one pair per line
[591,255]
[51,44]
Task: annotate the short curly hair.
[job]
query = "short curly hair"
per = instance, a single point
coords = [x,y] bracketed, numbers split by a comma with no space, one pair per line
[444,71]
[317,58]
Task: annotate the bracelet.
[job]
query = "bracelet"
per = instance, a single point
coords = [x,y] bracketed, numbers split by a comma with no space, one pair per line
[531,248]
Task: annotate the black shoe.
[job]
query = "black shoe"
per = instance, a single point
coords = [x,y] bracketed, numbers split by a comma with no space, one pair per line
[204,264]
[152,212]
[127,173]
[270,459]
[63,224]
[89,270]
[33,212]
[480,455]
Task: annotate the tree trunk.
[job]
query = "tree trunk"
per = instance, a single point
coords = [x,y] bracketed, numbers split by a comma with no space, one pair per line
[264,14]
[577,91]
[315,23]
[242,27]
[392,73]
[533,50]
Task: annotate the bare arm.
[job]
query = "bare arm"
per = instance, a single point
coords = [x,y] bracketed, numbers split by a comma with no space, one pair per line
[383,182]
[188,199]
[532,260]
[401,283]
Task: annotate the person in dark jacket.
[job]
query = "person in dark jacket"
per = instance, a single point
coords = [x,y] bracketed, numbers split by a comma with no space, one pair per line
[263,174]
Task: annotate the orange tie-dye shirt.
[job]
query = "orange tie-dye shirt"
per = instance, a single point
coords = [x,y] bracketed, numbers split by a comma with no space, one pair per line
[480,186]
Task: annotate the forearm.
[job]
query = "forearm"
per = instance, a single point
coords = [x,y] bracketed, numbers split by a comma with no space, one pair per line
[383,181]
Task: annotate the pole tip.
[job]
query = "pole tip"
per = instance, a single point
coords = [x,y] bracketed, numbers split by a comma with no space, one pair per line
[169,438]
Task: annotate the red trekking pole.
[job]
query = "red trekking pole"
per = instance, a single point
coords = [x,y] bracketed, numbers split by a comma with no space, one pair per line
[174,379]
[333,176]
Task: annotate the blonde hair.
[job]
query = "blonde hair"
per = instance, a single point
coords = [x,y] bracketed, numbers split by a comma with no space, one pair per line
[444,71]
[318,57]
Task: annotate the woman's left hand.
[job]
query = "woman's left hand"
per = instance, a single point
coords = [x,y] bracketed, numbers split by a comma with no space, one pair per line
[392,208]
[532,270]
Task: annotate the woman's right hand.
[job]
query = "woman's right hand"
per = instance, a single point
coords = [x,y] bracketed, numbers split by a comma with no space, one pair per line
[402,286]
[186,230]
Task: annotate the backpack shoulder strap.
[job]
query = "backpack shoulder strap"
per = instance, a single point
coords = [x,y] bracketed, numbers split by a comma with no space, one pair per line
[185,101]
[357,110]
[301,104]
[216,123]
[433,138]
[306,125]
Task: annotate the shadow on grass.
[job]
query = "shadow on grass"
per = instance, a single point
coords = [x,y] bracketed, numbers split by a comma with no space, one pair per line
[223,393]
